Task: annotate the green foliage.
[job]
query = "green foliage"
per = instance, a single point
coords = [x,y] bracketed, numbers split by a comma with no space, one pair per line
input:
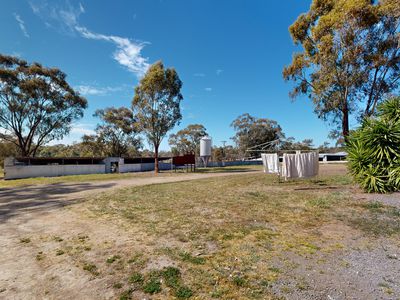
[136,278]
[152,286]
[112,259]
[126,295]
[7,149]
[91,268]
[252,131]
[374,150]
[156,104]
[185,256]
[37,105]
[187,139]
[350,59]
[239,281]
[115,134]
[183,292]
[171,276]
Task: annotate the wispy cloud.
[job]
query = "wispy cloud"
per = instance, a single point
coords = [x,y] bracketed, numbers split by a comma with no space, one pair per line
[128,53]
[21,24]
[208,89]
[78,130]
[88,90]
[219,71]
[199,75]
[82,129]
[61,18]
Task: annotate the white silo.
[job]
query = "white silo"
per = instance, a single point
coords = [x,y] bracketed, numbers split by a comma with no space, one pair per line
[205,149]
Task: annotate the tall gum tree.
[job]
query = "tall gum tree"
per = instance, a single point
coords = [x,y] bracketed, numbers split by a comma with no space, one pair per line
[350,59]
[37,105]
[156,104]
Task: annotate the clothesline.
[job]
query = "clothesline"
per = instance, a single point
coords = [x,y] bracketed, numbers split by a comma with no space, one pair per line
[283,151]
[299,165]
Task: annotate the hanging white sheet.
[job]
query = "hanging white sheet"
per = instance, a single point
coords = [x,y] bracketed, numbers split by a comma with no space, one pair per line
[300,165]
[270,163]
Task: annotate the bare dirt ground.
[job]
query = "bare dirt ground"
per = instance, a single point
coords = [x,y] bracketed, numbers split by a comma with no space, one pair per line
[36,223]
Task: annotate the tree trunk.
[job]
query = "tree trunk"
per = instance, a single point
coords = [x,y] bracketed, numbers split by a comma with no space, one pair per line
[156,159]
[345,122]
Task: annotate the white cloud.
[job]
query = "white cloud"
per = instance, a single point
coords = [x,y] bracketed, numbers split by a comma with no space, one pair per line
[199,75]
[88,90]
[82,129]
[78,130]
[219,71]
[82,9]
[208,89]
[21,24]
[127,53]
[62,18]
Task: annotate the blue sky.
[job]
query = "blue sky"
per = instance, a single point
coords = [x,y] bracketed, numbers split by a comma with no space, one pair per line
[229,55]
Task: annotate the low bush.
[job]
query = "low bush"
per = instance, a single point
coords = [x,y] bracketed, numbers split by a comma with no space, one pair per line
[374,150]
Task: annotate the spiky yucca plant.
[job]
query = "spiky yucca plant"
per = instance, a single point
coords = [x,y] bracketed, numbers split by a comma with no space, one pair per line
[374,150]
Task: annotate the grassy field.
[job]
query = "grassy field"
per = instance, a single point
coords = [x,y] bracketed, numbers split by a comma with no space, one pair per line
[231,237]
[104,177]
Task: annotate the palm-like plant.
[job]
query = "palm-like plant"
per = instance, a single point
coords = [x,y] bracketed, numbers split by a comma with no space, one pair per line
[374,150]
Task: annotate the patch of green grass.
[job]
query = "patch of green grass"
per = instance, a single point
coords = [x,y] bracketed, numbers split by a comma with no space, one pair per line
[136,277]
[59,252]
[378,220]
[113,258]
[126,295]
[183,292]
[274,269]
[185,256]
[239,281]
[171,276]
[152,286]
[324,202]
[230,169]
[91,268]
[373,206]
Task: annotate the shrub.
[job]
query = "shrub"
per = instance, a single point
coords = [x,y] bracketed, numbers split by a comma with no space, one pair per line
[374,150]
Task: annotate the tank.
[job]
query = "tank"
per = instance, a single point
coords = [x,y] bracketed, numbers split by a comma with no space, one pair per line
[205,146]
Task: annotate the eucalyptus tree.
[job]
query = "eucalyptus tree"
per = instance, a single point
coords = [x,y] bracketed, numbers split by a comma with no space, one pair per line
[117,131]
[187,139]
[37,105]
[252,131]
[350,58]
[156,104]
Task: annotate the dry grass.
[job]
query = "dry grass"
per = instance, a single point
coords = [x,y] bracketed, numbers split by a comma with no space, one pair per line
[72,178]
[225,234]
[105,177]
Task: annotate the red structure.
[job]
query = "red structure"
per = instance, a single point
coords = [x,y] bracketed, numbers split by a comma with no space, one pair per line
[187,160]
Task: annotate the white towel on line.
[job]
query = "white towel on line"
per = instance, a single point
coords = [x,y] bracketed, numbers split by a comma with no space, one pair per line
[270,162]
[300,165]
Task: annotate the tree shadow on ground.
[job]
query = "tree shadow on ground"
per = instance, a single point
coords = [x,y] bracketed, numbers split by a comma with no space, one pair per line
[27,199]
